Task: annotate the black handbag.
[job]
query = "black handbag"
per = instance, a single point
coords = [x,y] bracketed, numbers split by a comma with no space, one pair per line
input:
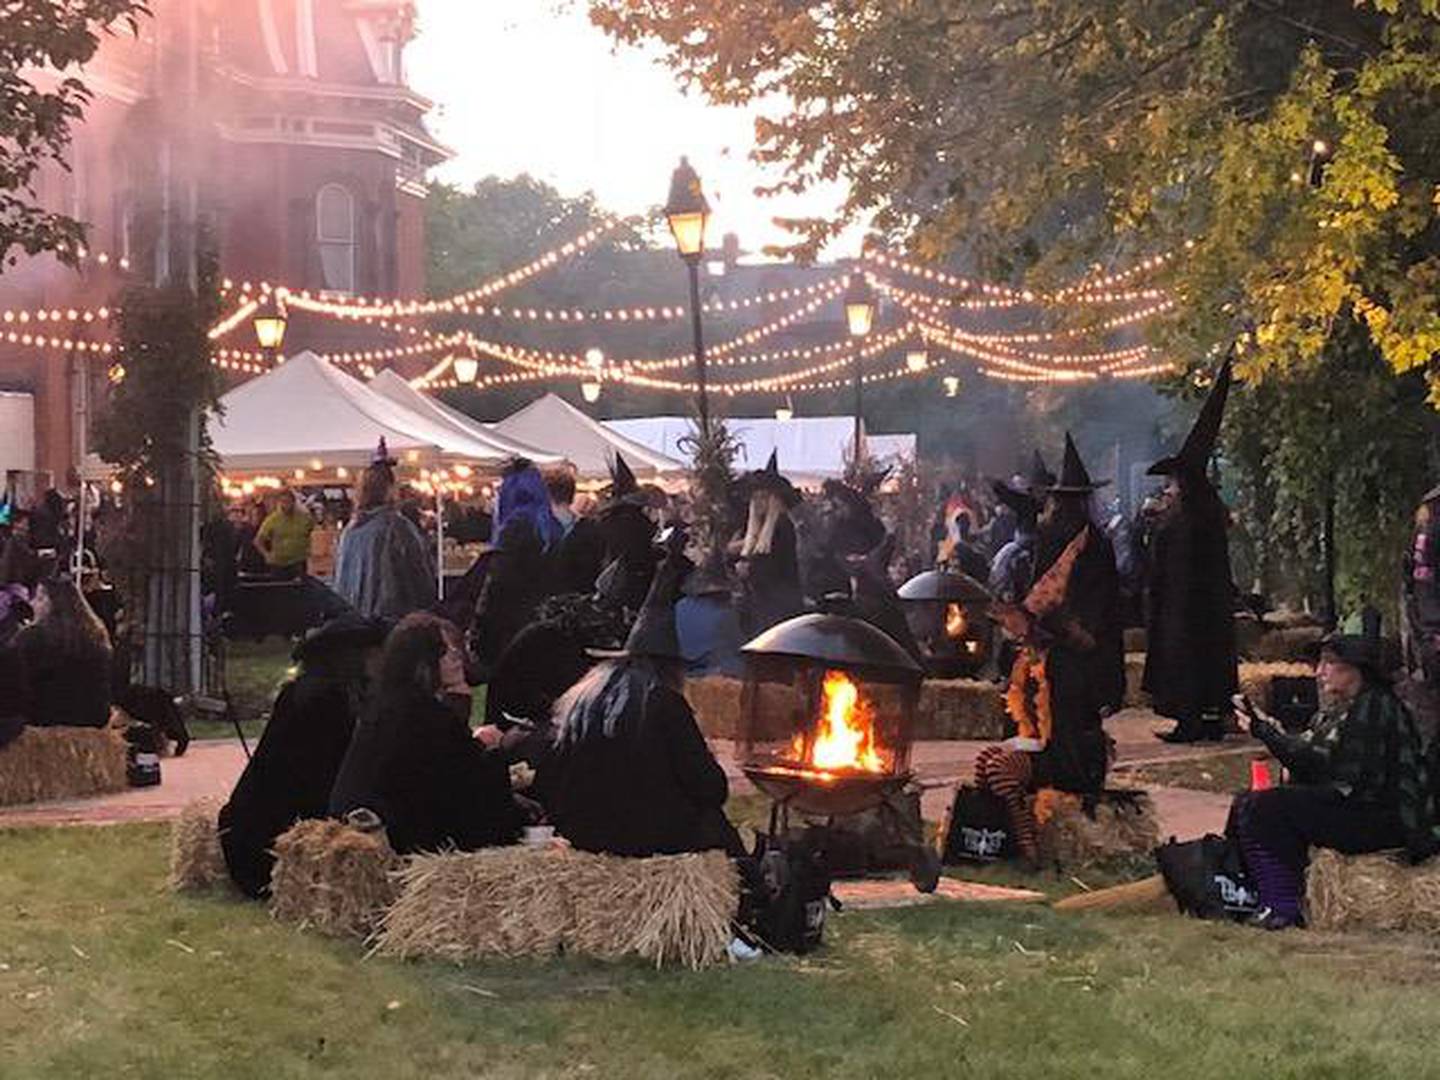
[977,829]
[785,889]
[1207,878]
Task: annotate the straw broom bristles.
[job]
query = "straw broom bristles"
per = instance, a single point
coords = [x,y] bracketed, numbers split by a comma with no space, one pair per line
[332,878]
[1146,895]
[1371,892]
[513,902]
[197,863]
[46,763]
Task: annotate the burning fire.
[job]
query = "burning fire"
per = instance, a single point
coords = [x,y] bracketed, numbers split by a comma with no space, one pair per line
[845,736]
[955,622]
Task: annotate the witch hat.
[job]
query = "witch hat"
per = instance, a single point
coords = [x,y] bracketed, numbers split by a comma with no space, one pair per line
[382,455]
[624,489]
[653,634]
[769,479]
[1025,505]
[1194,455]
[1040,474]
[1074,477]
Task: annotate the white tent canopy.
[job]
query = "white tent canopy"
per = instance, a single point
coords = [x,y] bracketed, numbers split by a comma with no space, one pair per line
[390,385]
[554,423]
[809,449]
[307,411]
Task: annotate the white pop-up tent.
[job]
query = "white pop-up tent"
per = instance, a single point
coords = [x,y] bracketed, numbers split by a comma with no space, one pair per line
[554,423]
[306,413]
[810,449]
[391,385]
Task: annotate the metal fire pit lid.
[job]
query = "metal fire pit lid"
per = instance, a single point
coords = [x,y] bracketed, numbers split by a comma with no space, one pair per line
[950,586]
[834,639]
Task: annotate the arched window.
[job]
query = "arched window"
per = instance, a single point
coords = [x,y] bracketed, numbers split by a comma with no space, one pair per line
[335,233]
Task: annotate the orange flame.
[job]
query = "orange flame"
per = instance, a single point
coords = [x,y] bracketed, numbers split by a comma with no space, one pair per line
[955,622]
[845,736]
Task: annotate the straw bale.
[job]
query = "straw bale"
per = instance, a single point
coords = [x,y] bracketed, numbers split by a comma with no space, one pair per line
[960,709]
[197,863]
[1289,643]
[1371,892]
[502,902]
[47,763]
[1135,697]
[1146,895]
[514,902]
[1071,838]
[715,700]
[1255,678]
[332,878]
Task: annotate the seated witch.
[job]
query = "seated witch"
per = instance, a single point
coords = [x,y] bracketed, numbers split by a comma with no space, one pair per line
[1358,781]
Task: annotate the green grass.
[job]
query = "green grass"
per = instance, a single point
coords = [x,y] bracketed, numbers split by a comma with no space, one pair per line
[103,973]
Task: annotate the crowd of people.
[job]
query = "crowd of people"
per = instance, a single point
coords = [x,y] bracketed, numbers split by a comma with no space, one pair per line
[583,624]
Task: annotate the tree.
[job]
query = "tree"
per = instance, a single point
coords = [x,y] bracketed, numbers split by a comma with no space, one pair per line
[40,43]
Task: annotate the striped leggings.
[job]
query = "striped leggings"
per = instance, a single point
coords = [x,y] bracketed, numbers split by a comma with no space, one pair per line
[1009,774]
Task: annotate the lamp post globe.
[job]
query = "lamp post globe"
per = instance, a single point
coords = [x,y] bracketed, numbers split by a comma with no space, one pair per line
[270,323]
[466,368]
[859,306]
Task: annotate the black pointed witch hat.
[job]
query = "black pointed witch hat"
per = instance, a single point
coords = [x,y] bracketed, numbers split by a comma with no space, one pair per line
[769,479]
[1194,455]
[1040,474]
[624,489]
[1074,477]
[653,635]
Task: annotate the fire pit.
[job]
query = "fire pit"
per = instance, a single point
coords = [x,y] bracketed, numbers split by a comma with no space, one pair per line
[827,721]
[946,612]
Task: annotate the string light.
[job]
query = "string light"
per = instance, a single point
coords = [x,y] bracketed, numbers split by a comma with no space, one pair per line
[651,313]
[44,341]
[52,315]
[234,319]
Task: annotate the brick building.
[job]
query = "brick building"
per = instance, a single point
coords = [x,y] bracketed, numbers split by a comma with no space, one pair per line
[285,127]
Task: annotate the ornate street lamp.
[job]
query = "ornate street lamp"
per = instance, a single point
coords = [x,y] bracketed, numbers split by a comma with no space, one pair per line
[786,411]
[688,212]
[952,386]
[270,325]
[466,367]
[917,357]
[590,391]
[859,303]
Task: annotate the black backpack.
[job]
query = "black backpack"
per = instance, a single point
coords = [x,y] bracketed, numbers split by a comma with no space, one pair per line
[1207,878]
[785,887]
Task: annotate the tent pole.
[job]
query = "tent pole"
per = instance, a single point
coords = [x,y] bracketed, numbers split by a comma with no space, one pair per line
[440,542]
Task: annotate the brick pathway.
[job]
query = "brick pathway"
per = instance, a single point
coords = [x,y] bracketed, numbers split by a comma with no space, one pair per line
[211,768]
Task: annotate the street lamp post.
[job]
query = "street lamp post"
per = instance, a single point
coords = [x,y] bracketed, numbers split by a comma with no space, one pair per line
[860,318]
[688,212]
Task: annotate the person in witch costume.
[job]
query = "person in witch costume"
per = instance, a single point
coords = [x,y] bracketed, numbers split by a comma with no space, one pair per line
[842,523]
[384,568]
[1070,671]
[1012,570]
[707,625]
[1190,661]
[1359,781]
[630,772]
[290,775]
[769,565]
[628,533]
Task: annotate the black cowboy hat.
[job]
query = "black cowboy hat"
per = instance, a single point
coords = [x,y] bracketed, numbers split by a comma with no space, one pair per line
[1194,455]
[348,631]
[1074,477]
[769,479]
[1025,505]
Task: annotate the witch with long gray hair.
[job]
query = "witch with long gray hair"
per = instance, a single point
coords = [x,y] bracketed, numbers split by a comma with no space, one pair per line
[769,563]
[630,772]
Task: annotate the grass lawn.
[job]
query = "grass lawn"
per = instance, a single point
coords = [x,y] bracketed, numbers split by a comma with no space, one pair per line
[1226,773]
[103,973]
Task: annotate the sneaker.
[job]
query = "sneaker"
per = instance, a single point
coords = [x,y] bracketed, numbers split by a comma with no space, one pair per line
[1267,919]
[741,950]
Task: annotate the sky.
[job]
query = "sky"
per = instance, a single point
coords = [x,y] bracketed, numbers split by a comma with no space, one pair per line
[531,86]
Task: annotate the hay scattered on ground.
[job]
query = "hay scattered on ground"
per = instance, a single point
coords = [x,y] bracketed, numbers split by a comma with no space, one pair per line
[332,878]
[960,709]
[1255,677]
[197,863]
[1071,839]
[1146,895]
[43,764]
[512,902]
[1371,892]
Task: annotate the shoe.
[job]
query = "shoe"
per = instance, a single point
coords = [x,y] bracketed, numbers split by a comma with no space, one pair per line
[1266,919]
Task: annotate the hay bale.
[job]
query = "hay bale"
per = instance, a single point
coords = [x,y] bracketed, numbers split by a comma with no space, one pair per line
[332,878]
[462,906]
[960,709]
[43,764]
[1124,824]
[518,902]
[1288,644]
[1135,697]
[1371,892]
[1255,678]
[197,864]
[715,700]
